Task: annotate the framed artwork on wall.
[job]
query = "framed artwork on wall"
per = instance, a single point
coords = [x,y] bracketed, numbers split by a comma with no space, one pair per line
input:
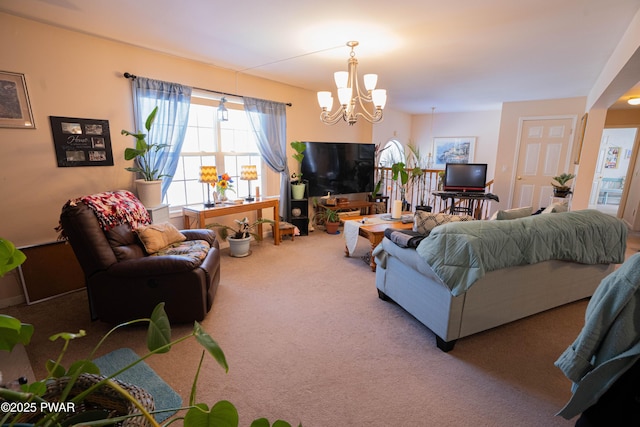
[453,150]
[81,142]
[15,109]
[611,157]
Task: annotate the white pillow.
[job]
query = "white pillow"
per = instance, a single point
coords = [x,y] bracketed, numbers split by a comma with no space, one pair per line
[514,213]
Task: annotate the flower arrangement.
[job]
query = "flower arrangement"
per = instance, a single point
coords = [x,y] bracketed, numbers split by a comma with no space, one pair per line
[224,184]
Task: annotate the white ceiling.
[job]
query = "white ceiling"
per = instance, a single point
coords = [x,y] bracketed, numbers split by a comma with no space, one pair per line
[456,55]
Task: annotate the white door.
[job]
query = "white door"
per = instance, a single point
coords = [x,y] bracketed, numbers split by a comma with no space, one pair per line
[613,163]
[544,150]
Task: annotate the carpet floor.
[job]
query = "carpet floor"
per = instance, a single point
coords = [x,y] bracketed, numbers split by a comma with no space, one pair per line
[308,341]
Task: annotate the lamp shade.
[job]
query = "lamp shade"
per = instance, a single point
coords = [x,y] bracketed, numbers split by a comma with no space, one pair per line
[325,100]
[379,97]
[370,81]
[208,174]
[249,173]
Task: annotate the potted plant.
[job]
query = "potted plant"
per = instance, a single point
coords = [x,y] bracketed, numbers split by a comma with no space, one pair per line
[330,218]
[297,185]
[239,238]
[12,331]
[70,388]
[149,187]
[560,189]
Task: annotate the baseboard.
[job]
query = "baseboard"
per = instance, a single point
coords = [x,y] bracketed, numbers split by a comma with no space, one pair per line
[8,302]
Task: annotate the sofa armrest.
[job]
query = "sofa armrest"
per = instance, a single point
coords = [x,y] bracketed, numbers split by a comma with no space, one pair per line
[201,234]
[152,266]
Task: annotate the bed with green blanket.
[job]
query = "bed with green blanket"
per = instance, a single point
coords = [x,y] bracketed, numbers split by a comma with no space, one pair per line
[466,277]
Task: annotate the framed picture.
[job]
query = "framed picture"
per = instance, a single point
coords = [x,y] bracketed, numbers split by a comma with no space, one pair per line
[81,142]
[611,158]
[15,109]
[579,139]
[453,150]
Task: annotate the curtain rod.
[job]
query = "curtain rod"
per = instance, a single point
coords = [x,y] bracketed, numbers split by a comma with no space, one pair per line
[133,77]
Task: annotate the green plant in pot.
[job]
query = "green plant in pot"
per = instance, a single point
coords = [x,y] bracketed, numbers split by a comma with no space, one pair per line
[145,154]
[239,238]
[560,187]
[81,390]
[330,218]
[297,185]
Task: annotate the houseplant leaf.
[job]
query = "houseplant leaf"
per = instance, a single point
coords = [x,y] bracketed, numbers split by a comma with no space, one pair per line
[223,414]
[10,257]
[159,332]
[13,332]
[210,345]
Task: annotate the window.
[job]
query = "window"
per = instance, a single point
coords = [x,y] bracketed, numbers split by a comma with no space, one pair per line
[227,145]
[391,153]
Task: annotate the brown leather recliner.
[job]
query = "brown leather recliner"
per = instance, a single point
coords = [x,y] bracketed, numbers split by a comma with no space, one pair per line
[124,282]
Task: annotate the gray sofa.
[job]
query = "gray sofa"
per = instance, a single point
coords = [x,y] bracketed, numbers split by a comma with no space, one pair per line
[467,277]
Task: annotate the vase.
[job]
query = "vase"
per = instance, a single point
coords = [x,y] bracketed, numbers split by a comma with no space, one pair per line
[149,192]
[332,227]
[239,248]
[297,191]
[221,196]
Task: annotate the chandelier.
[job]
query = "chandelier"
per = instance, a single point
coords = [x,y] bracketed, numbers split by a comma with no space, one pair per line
[351,98]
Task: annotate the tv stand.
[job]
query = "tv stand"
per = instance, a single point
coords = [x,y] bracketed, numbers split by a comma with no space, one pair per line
[469,203]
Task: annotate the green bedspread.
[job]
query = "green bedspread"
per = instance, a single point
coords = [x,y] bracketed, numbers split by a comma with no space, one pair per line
[461,253]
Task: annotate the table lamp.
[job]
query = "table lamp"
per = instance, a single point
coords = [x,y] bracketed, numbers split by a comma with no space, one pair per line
[209,175]
[249,173]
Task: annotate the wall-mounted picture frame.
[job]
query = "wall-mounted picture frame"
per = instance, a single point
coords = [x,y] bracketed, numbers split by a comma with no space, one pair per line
[458,149]
[611,158]
[577,146]
[15,108]
[81,142]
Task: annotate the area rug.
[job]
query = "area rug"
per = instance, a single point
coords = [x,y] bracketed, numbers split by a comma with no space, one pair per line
[143,376]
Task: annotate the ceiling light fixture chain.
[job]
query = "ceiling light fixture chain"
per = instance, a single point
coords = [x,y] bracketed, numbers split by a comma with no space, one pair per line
[351,98]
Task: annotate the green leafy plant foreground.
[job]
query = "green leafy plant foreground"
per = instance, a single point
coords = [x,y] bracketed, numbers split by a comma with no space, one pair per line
[222,413]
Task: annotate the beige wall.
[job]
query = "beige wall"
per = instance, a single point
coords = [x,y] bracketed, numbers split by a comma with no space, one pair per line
[512,113]
[484,125]
[74,75]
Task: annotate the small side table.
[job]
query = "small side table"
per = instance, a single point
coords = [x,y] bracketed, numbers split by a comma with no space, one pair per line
[159,213]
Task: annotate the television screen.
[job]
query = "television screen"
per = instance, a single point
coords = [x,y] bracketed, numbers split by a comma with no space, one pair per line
[465,176]
[338,168]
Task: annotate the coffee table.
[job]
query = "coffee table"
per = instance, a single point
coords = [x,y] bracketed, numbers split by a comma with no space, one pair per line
[373,228]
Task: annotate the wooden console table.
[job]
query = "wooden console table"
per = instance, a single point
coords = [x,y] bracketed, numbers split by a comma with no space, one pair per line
[197,214]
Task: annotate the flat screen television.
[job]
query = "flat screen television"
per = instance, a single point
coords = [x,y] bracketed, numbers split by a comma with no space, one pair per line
[465,177]
[338,168]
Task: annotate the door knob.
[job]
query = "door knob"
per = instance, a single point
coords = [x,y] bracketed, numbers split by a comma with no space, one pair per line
[519,178]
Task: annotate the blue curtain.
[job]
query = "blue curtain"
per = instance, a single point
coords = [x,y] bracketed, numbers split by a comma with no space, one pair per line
[173,101]
[269,121]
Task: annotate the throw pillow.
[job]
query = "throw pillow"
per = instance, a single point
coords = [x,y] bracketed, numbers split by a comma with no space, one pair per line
[157,236]
[514,213]
[424,222]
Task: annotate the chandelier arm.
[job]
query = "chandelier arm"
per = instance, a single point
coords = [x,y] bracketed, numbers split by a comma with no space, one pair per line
[331,119]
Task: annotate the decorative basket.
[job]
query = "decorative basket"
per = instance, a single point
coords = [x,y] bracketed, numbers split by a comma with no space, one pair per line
[105,399]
